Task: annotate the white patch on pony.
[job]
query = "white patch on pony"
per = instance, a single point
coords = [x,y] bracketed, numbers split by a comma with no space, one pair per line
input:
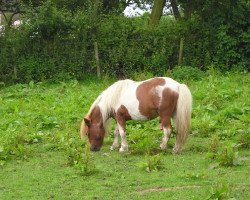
[169,83]
[110,98]
[172,84]
[129,100]
[167,133]
[115,144]
[159,89]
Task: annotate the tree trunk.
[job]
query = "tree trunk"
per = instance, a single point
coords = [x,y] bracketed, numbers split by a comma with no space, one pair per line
[15,72]
[181,51]
[177,16]
[14,63]
[176,12]
[156,12]
[97,60]
[5,17]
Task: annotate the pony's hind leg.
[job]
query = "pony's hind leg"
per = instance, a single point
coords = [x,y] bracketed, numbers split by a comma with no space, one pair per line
[167,134]
[166,110]
[115,144]
[177,147]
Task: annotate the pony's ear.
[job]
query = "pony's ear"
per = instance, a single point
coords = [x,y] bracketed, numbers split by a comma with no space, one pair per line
[84,129]
[87,121]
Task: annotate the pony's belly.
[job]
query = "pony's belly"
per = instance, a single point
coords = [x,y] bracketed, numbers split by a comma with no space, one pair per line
[133,109]
[137,116]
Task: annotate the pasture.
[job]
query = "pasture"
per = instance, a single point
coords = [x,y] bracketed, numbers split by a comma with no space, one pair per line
[42,156]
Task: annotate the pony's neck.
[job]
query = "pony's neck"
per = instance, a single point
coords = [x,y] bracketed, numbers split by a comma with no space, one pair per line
[109,99]
[106,111]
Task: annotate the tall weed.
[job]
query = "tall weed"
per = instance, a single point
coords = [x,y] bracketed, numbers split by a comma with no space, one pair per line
[226,156]
[79,156]
[219,192]
[152,163]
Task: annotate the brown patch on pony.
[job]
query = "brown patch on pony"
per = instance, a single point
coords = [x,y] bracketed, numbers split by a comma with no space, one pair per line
[148,98]
[122,115]
[167,106]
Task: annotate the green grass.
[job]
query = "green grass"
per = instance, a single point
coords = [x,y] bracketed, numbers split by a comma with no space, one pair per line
[39,128]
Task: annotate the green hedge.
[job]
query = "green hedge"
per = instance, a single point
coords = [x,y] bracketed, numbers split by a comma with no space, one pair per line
[55,44]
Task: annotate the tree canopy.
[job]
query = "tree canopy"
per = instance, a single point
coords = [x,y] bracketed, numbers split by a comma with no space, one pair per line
[61,38]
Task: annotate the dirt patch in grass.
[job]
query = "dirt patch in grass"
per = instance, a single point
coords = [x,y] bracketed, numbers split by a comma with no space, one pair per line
[160,189]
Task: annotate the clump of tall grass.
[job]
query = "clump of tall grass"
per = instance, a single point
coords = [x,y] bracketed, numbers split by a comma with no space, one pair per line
[151,163]
[226,156]
[79,156]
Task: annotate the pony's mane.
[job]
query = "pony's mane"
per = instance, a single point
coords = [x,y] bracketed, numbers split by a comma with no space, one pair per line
[110,97]
[107,100]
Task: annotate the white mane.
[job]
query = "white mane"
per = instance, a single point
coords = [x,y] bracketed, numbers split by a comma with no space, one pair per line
[109,98]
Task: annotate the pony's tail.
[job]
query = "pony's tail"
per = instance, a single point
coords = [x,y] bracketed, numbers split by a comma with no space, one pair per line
[182,116]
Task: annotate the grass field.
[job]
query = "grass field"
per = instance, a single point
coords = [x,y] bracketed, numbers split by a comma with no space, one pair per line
[42,157]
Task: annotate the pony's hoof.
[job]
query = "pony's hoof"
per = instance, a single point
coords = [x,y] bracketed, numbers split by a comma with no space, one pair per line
[123,149]
[175,151]
[163,146]
[112,148]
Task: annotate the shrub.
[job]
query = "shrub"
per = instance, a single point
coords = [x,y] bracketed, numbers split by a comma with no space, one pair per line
[227,156]
[187,73]
[220,191]
[244,140]
[143,138]
[152,163]
[79,156]
[213,146]
[13,147]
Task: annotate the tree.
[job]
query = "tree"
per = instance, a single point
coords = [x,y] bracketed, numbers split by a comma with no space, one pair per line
[187,8]
[156,12]
[9,6]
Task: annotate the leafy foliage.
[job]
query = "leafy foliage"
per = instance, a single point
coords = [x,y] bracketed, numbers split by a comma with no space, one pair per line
[187,73]
[152,163]
[214,146]
[80,157]
[228,156]
[220,191]
[56,42]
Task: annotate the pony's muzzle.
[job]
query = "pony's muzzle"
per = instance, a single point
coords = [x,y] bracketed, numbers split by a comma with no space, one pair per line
[94,148]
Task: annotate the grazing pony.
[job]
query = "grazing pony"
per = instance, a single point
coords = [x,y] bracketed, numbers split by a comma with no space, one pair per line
[144,100]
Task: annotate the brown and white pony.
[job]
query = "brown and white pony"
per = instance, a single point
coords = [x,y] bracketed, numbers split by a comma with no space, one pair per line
[144,100]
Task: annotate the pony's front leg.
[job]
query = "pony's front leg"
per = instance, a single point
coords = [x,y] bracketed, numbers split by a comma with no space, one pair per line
[115,144]
[124,143]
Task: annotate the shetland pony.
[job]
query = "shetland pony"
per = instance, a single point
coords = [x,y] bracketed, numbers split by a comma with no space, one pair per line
[130,100]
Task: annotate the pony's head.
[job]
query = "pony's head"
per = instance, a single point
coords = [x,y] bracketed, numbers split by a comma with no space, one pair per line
[93,127]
